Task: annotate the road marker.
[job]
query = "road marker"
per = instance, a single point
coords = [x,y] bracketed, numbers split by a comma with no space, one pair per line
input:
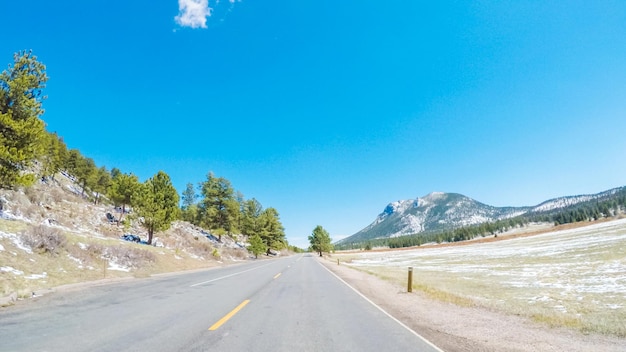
[229,315]
[277,275]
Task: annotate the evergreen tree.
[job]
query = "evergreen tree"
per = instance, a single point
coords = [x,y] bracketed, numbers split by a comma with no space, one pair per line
[156,203]
[83,169]
[102,183]
[85,172]
[219,208]
[21,129]
[257,246]
[55,155]
[272,231]
[189,207]
[265,223]
[123,188]
[320,240]
[115,172]
[250,212]
[189,196]
[72,161]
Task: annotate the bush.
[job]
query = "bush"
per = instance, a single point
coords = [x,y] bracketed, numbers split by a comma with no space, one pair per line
[34,212]
[234,253]
[201,248]
[129,256]
[43,239]
[57,195]
[34,195]
[124,255]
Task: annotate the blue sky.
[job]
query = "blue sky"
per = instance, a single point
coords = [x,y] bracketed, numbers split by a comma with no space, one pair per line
[328,111]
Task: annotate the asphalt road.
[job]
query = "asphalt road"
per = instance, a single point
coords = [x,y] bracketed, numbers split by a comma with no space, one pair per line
[285,304]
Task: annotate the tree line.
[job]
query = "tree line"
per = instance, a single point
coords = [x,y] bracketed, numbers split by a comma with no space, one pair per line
[29,152]
[224,211]
[586,211]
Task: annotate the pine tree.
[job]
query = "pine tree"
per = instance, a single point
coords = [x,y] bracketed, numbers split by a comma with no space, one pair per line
[156,204]
[21,129]
[55,155]
[250,212]
[189,208]
[189,196]
[256,245]
[272,231]
[219,208]
[85,172]
[122,190]
[102,182]
[320,240]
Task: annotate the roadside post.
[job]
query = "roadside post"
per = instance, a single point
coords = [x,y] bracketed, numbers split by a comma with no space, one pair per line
[410,284]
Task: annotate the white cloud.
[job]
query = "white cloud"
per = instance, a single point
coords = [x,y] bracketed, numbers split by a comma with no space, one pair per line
[193,13]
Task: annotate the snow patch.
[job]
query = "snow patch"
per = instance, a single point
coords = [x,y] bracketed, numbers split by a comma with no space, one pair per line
[117,267]
[37,276]
[561,203]
[434,196]
[15,239]
[8,269]
[7,215]
[80,262]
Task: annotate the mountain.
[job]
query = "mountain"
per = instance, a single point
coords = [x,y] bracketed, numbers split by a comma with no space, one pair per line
[439,211]
[557,204]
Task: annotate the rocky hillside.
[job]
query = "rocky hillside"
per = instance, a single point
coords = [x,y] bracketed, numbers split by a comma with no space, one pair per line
[445,211]
[50,235]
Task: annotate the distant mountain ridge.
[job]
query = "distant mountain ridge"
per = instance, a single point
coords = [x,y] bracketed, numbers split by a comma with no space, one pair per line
[440,211]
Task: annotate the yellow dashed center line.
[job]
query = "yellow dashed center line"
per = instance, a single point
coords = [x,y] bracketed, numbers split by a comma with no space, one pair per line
[277,275]
[229,315]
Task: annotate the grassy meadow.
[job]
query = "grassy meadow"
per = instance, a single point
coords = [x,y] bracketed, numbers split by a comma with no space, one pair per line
[573,278]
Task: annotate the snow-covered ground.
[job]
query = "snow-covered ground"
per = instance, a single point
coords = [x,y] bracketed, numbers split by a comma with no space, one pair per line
[577,271]
[15,239]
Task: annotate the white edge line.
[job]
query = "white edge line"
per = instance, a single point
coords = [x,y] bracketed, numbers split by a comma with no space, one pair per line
[384,311]
[227,276]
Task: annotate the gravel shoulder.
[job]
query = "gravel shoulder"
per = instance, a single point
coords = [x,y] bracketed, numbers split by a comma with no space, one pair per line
[472,329]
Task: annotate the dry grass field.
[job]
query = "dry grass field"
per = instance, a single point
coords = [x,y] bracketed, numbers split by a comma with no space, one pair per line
[574,278]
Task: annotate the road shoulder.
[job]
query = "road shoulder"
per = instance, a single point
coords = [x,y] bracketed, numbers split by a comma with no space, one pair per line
[454,328]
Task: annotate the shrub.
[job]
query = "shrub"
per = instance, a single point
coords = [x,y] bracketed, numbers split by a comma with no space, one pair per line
[129,256]
[34,212]
[34,195]
[95,250]
[201,248]
[19,201]
[57,195]
[234,253]
[43,239]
